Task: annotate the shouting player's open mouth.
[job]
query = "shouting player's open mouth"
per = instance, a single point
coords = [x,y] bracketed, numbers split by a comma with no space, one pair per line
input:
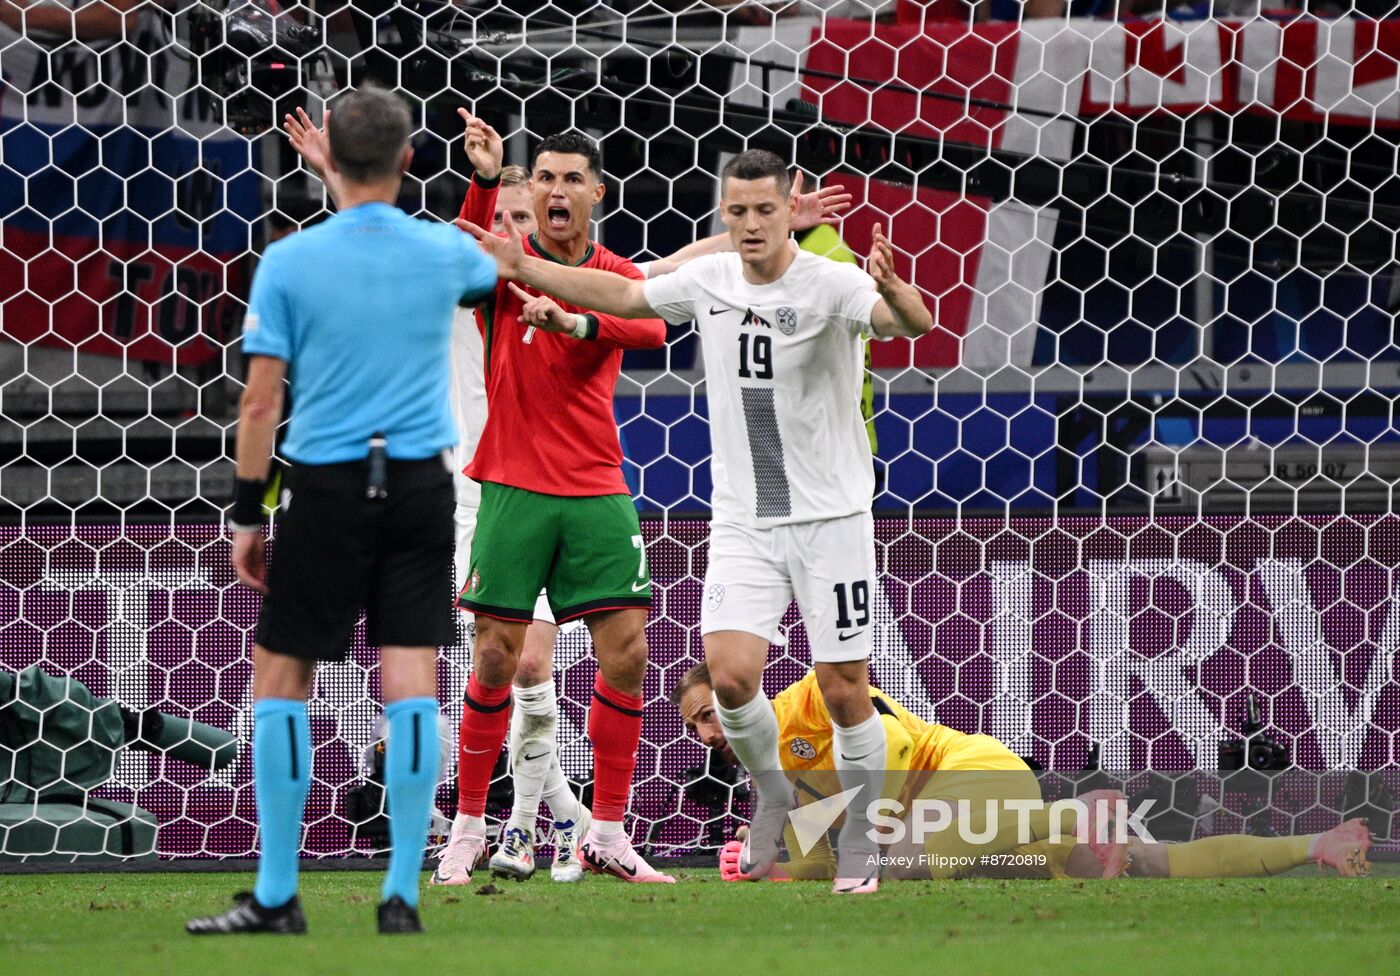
[558,217]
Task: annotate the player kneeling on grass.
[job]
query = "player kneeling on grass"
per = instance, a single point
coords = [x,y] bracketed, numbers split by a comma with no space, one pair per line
[943,764]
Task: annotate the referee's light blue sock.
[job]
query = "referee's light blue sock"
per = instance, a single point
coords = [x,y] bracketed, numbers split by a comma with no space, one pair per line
[410,780]
[281,776]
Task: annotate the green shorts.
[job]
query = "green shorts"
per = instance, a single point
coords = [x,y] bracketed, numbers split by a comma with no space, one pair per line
[586,552]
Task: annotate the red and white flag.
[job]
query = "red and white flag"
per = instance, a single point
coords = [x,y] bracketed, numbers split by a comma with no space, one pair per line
[982,265]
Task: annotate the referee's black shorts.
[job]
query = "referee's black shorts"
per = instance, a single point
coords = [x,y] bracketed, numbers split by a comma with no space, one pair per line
[336,553]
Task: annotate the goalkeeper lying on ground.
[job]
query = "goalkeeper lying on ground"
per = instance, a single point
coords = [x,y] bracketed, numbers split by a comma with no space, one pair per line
[938,763]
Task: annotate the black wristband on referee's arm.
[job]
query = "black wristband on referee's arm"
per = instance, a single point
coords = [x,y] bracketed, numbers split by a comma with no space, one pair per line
[246,515]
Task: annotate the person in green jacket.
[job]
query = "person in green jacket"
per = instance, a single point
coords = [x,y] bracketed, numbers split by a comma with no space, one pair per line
[825,241]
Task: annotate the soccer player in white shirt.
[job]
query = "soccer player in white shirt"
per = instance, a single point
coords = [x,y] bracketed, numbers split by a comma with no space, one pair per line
[782,332]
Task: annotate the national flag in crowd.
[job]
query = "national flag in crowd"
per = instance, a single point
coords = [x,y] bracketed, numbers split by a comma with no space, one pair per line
[983,263]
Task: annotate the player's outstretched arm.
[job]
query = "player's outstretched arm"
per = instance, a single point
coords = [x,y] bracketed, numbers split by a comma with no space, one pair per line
[484,146]
[601,291]
[901,310]
[314,147]
[543,312]
[822,206]
[693,250]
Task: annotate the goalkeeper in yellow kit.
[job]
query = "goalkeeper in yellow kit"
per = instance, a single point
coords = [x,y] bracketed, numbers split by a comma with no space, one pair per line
[932,762]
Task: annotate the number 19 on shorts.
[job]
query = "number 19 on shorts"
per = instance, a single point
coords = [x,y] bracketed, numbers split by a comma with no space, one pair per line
[852,604]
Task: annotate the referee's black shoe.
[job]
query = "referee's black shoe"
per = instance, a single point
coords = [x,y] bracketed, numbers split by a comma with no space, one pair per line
[248,916]
[397,917]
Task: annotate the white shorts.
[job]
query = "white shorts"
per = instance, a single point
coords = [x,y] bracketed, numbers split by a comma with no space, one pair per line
[829,566]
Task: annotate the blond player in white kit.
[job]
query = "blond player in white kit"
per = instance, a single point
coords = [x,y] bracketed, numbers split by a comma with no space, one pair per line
[782,333]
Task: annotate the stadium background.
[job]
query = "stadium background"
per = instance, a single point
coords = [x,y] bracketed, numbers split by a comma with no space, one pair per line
[1142,468]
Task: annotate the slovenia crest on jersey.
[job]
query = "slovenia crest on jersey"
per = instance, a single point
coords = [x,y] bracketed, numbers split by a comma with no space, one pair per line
[803,749]
[787,320]
[715,596]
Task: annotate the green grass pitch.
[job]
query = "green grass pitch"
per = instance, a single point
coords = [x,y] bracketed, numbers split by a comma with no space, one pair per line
[114,924]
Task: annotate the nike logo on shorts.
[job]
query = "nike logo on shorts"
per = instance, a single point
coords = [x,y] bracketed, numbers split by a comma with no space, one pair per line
[638,587]
[846,637]
[533,758]
[720,311]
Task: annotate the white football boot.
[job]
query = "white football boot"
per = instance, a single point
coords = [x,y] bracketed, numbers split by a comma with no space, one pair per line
[568,835]
[515,858]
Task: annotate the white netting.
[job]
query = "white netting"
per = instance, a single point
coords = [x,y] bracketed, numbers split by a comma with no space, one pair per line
[1141,470]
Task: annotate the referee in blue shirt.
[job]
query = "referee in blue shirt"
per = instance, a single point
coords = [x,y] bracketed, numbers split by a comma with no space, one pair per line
[355,314]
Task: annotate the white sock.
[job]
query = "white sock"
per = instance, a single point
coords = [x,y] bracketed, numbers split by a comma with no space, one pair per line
[860,762]
[465,824]
[533,725]
[563,804]
[752,732]
[606,830]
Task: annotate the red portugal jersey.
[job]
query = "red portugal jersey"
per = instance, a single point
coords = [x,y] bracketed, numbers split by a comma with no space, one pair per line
[549,397]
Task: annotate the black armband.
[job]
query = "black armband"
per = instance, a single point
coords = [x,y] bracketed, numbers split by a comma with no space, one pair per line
[592,332]
[485,184]
[247,510]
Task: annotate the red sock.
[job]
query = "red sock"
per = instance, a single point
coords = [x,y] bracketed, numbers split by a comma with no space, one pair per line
[614,728]
[485,721]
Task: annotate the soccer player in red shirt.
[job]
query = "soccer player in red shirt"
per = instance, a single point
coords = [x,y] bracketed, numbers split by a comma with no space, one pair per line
[555,512]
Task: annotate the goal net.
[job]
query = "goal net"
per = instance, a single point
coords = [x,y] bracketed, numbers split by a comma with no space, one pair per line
[1140,475]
